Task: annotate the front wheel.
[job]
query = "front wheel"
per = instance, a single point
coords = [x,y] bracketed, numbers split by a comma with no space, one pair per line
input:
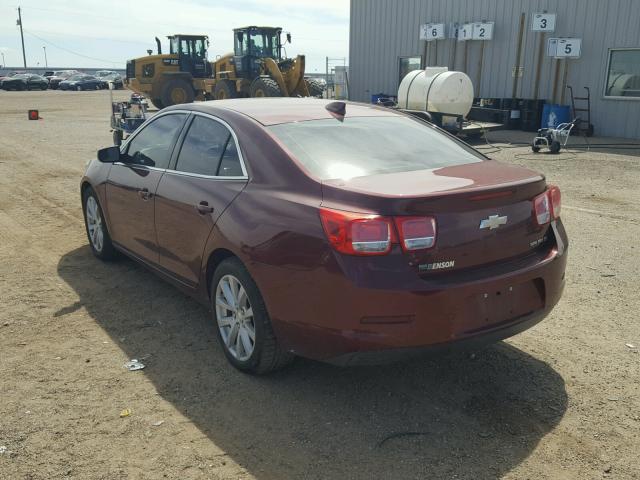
[97,233]
[316,89]
[265,87]
[242,321]
[554,147]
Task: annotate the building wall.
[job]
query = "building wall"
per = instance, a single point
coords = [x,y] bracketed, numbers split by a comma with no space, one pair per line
[383,30]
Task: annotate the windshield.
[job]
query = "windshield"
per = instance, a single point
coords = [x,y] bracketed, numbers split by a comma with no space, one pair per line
[361,146]
[104,73]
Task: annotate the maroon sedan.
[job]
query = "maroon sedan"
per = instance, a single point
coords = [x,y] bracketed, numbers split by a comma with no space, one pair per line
[341,232]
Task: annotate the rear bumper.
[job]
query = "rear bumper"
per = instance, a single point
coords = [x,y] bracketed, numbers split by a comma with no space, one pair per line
[375,316]
[500,332]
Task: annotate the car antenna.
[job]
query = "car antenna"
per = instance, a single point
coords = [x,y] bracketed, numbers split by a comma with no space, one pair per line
[337,109]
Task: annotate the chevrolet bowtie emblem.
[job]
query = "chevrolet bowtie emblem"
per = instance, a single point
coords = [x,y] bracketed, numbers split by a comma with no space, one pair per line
[493,222]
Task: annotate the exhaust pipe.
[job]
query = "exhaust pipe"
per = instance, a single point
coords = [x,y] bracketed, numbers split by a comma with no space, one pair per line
[159,46]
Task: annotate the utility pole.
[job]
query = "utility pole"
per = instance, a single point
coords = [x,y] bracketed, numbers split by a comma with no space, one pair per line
[24,56]
[3,64]
[46,64]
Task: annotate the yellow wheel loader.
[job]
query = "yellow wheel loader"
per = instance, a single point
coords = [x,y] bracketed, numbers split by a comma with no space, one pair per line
[256,68]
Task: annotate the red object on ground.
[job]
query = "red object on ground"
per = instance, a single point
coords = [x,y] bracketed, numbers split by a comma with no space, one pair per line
[34,115]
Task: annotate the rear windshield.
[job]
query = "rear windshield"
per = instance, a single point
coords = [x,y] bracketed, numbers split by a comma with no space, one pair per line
[361,146]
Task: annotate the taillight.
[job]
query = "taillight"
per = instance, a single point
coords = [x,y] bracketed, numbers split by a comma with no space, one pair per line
[357,233]
[362,234]
[416,233]
[554,195]
[546,206]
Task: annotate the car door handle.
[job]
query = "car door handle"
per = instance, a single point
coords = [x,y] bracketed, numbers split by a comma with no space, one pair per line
[144,193]
[203,207]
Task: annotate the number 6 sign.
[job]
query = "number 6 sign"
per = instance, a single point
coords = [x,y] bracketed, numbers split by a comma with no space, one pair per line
[432,31]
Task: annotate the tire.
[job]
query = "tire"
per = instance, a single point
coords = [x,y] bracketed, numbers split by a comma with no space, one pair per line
[535,148]
[101,245]
[316,89]
[177,91]
[79,88]
[554,147]
[157,103]
[265,87]
[43,87]
[265,354]
[224,89]
[117,137]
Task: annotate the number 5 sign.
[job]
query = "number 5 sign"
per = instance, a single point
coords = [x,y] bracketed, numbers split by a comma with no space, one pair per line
[564,47]
[432,31]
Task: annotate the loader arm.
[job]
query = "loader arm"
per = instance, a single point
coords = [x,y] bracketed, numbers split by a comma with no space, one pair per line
[273,69]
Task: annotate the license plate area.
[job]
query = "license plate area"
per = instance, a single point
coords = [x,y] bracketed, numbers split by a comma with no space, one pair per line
[495,306]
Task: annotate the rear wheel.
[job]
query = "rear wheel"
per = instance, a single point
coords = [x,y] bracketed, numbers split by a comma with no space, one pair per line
[265,87]
[242,321]
[554,147]
[79,88]
[177,91]
[157,103]
[225,89]
[97,232]
[316,89]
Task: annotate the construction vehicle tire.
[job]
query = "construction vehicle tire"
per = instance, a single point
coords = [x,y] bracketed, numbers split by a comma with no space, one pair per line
[224,89]
[177,91]
[316,89]
[265,87]
[157,103]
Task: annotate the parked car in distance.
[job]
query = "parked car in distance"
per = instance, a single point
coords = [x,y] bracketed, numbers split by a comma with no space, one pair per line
[82,81]
[25,81]
[59,76]
[337,231]
[111,77]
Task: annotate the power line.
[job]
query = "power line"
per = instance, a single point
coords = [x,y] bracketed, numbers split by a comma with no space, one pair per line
[71,51]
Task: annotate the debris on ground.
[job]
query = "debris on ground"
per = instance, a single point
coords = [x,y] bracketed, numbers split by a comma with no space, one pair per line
[158,423]
[3,449]
[630,345]
[134,364]
[125,413]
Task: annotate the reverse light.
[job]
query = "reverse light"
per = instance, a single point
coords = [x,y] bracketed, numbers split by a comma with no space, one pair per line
[357,233]
[547,205]
[416,233]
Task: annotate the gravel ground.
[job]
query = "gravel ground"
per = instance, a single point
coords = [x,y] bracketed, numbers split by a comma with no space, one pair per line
[560,401]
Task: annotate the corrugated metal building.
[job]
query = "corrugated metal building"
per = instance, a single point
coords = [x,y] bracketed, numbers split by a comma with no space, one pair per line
[384,38]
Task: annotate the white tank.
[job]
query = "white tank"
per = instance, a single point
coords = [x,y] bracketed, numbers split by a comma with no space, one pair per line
[436,89]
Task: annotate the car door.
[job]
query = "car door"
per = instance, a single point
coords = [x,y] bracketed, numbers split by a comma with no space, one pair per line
[209,173]
[132,184]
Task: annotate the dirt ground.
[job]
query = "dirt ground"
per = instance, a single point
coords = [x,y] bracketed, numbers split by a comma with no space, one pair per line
[560,401]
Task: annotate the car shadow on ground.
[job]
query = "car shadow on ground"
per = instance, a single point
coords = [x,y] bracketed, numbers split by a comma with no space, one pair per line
[456,417]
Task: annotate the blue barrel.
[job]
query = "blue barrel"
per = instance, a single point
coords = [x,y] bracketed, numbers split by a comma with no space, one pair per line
[554,115]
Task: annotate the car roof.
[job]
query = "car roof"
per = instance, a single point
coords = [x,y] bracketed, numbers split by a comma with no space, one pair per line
[276,110]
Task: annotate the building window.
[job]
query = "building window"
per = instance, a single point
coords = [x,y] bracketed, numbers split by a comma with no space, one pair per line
[623,73]
[407,64]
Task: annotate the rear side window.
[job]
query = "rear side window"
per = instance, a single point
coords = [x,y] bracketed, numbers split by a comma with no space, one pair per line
[361,146]
[153,145]
[209,149]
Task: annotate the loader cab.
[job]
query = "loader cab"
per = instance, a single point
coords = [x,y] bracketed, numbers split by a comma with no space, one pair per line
[252,44]
[192,54]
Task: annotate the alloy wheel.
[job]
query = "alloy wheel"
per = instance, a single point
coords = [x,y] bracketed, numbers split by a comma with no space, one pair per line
[94,224]
[234,316]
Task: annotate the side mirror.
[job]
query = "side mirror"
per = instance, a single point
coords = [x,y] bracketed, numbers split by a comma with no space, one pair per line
[288,37]
[109,154]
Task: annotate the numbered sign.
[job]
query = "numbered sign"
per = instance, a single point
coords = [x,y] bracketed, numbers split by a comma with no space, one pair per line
[465,32]
[453,30]
[482,31]
[543,22]
[564,47]
[432,31]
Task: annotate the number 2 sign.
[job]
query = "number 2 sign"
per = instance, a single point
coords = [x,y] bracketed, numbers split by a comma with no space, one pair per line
[482,31]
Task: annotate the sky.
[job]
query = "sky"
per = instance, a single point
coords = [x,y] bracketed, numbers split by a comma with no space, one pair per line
[105,33]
